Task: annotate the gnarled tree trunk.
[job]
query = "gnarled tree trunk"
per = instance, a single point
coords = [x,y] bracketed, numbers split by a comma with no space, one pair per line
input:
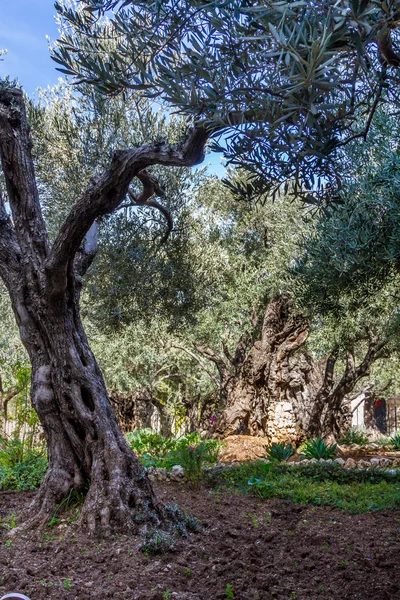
[273,388]
[86,449]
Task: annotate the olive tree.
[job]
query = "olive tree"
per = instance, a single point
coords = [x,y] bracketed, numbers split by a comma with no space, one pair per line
[289,80]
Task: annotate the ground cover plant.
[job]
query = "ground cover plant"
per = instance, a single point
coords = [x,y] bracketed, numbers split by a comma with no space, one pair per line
[354,490]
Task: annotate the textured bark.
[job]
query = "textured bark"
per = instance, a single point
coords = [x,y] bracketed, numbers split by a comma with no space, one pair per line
[86,449]
[273,370]
[277,368]
[139,411]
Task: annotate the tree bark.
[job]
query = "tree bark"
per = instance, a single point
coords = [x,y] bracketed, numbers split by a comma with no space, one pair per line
[86,449]
[278,375]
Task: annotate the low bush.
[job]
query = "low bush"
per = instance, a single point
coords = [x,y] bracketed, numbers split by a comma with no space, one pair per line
[354,436]
[279,452]
[146,442]
[154,450]
[157,541]
[318,448]
[21,468]
[23,476]
[395,441]
[194,457]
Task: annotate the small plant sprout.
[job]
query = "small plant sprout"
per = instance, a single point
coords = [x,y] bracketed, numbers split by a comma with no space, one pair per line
[229,591]
[9,544]
[67,584]
[188,572]
[167,594]
[254,520]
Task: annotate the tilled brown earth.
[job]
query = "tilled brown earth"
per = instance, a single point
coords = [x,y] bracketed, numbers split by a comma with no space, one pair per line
[250,549]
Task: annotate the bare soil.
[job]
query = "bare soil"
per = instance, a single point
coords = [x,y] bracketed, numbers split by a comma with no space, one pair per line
[239,448]
[256,549]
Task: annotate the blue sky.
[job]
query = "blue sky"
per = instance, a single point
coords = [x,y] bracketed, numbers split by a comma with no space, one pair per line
[24,25]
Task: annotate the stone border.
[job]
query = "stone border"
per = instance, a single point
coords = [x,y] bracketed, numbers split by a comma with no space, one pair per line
[177,472]
[352,463]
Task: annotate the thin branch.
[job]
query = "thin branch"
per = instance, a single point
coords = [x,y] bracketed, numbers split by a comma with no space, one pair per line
[108,191]
[200,362]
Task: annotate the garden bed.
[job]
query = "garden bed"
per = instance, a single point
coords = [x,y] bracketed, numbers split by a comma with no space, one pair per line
[250,549]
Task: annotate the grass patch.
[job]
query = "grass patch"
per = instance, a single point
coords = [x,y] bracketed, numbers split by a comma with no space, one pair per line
[352,490]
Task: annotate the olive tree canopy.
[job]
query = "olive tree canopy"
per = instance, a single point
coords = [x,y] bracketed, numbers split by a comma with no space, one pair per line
[280,86]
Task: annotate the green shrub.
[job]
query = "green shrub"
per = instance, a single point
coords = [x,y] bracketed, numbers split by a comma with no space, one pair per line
[319,449]
[395,441]
[21,468]
[280,452]
[354,436]
[156,451]
[24,476]
[11,452]
[194,457]
[148,442]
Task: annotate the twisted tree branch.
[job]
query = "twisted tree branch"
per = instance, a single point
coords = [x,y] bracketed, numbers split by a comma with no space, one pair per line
[151,187]
[107,192]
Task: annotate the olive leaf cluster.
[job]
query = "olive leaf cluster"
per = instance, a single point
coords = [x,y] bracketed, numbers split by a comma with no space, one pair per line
[354,252]
[281,85]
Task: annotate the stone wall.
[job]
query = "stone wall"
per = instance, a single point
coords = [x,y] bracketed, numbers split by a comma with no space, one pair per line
[281,425]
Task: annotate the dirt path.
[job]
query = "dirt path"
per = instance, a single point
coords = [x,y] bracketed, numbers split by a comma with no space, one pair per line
[255,549]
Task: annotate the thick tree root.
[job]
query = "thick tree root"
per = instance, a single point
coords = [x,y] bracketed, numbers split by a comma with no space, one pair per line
[54,489]
[123,507]
[118,501]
